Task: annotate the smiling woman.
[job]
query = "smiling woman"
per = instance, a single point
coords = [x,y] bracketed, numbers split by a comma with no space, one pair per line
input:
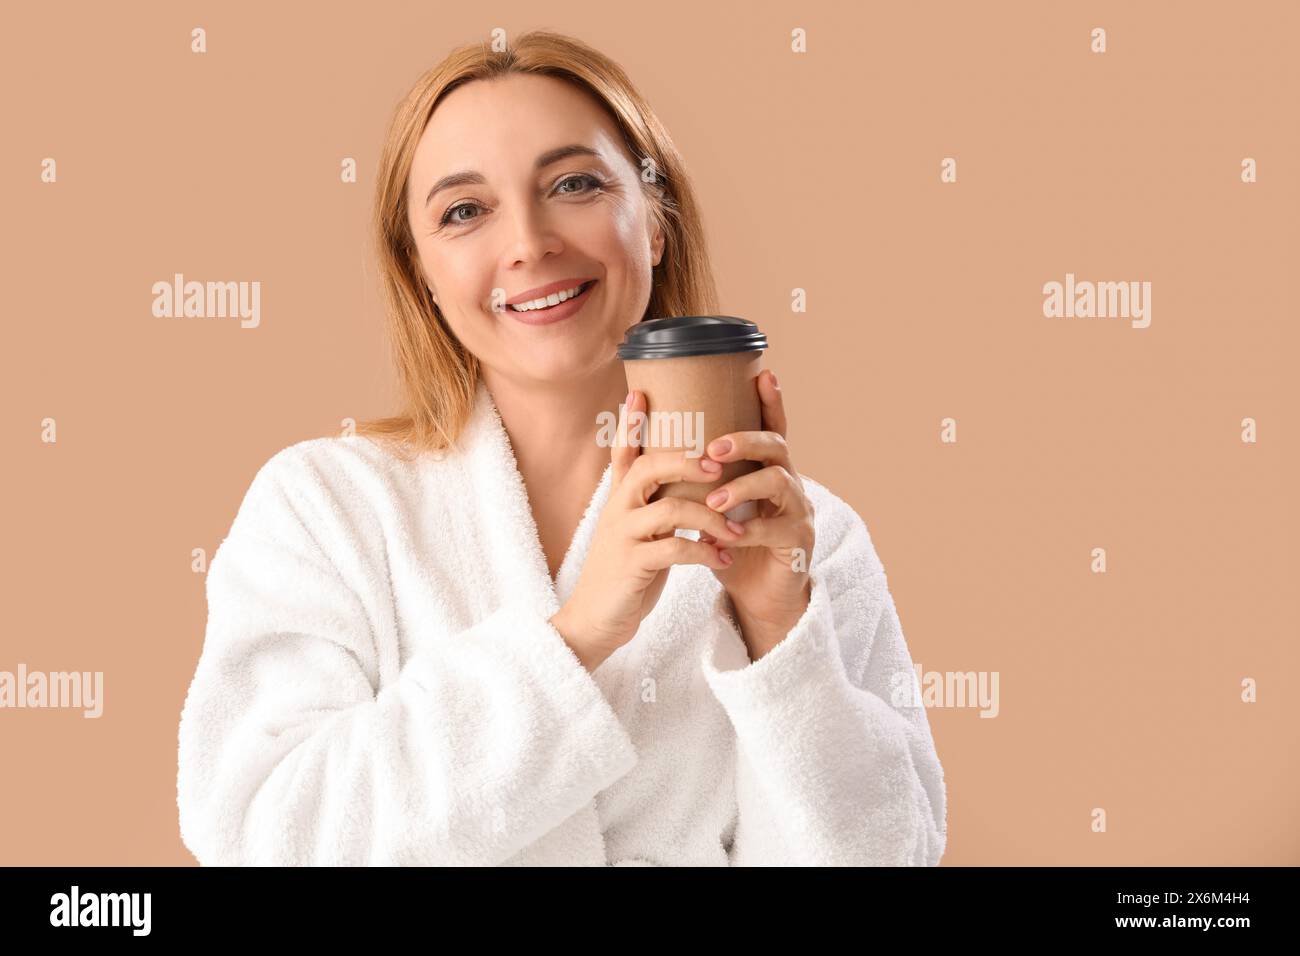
[458,641]
[476,200]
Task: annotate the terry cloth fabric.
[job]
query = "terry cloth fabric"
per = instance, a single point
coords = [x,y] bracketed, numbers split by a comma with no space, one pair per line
[379,683]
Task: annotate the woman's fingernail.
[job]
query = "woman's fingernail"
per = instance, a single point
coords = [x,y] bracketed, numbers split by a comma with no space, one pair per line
[708,464]
[736,526]
[775,384]
[717,498]
[720,447]
[724,555]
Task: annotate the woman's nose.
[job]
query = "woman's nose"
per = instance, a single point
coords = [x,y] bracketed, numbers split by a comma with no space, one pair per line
[532,235]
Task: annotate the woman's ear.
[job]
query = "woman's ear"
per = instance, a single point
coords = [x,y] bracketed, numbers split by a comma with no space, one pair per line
[418,268]
[657,246]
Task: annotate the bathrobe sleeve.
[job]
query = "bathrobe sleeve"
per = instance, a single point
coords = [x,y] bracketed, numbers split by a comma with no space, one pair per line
[290,753]
[829,771]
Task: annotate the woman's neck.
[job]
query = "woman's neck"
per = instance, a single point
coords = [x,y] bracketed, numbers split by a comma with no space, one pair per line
[553,431]
[553,428]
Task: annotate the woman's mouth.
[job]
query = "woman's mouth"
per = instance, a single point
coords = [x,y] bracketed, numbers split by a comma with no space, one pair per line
[534,315]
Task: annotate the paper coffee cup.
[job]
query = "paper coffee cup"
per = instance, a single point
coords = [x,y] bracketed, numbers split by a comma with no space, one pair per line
[698,375]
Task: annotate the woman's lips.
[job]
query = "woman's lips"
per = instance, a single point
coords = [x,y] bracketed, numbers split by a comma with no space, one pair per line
[555,313]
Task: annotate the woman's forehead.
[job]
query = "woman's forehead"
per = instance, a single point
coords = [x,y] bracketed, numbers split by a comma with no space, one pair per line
[519,107]
[501,128]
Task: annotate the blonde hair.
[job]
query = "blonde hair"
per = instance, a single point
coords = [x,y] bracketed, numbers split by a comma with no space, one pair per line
[437,375]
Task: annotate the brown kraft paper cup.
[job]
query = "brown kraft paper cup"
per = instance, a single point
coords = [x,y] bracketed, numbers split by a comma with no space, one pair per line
[698,374]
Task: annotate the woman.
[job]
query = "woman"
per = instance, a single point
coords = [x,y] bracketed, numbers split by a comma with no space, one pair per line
[434,644]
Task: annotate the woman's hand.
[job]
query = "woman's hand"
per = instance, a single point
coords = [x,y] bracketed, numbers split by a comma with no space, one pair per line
[768,579]
[635,543]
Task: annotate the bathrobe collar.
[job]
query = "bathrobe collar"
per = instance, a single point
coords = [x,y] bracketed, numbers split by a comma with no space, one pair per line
[511,528]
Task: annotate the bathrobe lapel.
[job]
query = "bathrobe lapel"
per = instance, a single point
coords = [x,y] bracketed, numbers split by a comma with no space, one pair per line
[514,546]
[516,566]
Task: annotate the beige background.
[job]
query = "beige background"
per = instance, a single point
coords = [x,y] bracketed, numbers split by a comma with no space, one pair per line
[818,171]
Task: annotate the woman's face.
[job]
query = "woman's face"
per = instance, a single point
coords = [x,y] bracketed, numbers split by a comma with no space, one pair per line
[518,226]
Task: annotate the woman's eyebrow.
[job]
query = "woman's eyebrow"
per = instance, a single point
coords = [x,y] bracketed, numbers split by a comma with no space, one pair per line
[469,177]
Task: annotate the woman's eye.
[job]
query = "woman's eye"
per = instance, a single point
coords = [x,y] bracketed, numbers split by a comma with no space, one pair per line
[450,215]
[579,178]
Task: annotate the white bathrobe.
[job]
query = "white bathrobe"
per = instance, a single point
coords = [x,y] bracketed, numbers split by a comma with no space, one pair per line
[379,684]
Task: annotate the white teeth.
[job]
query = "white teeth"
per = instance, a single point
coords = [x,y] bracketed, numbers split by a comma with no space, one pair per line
[555,298]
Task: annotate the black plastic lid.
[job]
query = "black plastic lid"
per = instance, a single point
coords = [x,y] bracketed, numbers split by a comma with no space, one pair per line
[676,336]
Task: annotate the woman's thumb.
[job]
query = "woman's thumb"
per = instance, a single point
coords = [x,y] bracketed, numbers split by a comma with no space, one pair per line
[624,452]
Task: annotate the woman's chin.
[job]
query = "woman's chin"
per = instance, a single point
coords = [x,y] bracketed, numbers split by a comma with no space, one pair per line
[564,360]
